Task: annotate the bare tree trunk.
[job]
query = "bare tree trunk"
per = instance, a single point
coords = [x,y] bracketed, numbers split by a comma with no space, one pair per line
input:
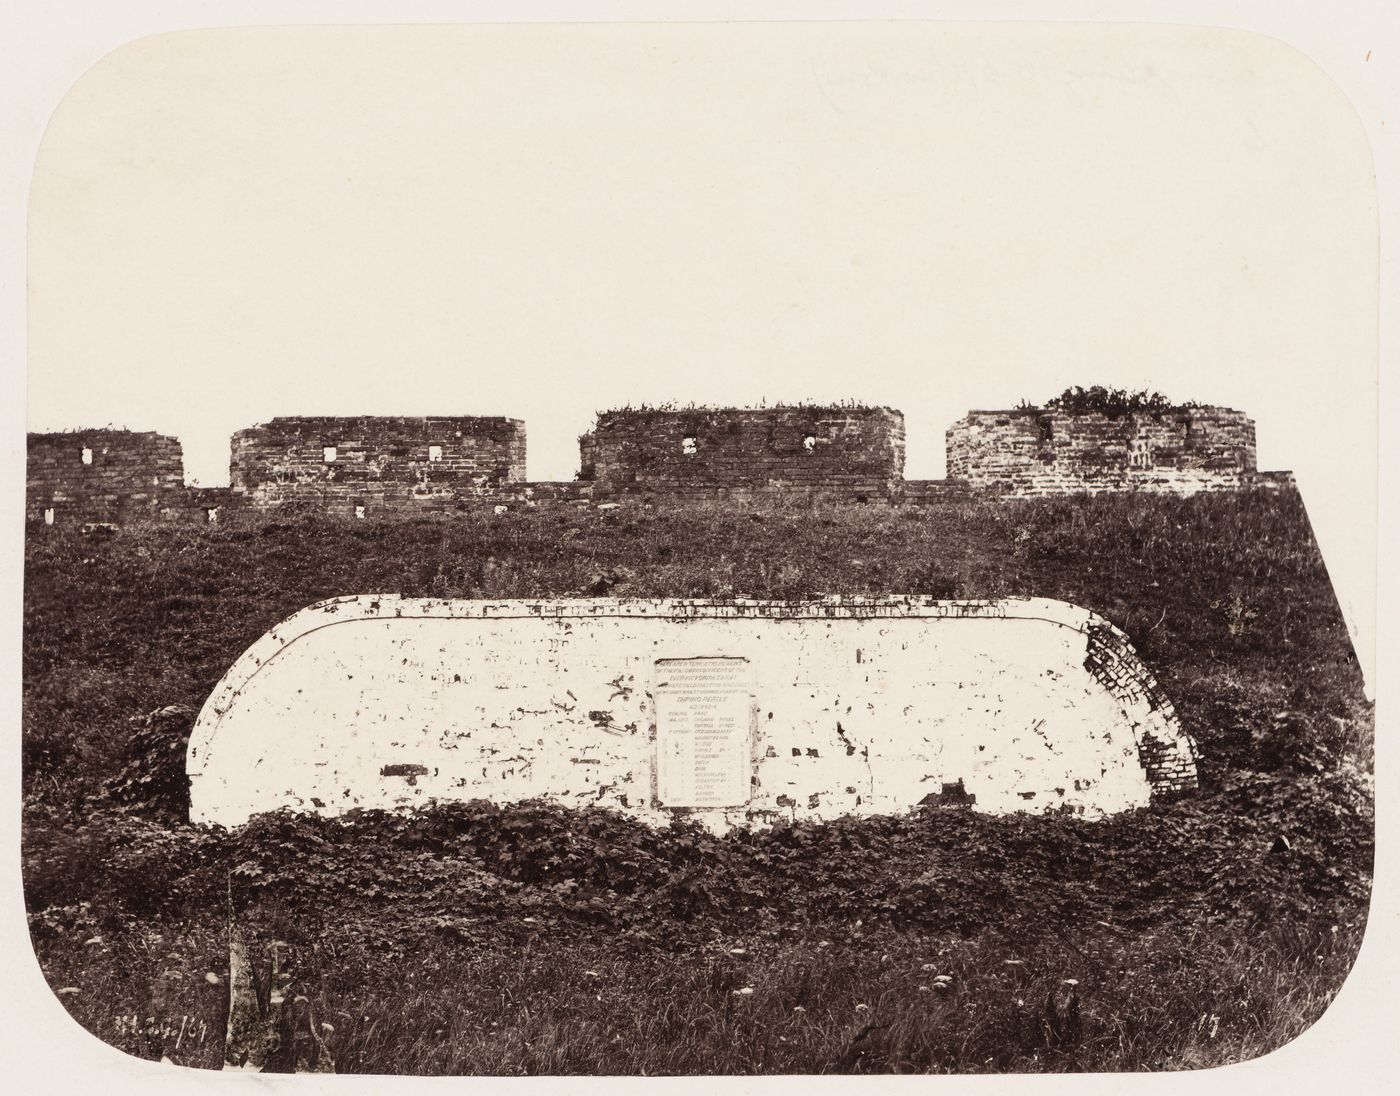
[246,1045]
[262,1034]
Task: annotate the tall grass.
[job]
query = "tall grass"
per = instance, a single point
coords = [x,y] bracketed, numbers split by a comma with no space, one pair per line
[880,1002]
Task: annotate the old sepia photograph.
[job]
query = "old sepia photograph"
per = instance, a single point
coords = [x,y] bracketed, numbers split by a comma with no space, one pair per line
[725,549]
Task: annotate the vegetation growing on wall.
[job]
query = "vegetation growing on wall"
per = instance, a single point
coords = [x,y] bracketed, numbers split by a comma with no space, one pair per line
[1112,402]
[844,403]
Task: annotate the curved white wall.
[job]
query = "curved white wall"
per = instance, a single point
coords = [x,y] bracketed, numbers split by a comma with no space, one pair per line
[849,706]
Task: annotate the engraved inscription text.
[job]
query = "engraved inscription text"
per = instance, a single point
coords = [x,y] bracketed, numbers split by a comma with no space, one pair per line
[702,732]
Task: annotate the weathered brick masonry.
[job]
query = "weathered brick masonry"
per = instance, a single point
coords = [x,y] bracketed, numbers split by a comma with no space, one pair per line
[1033,451]
[855,453]
[374,466]
[921,492]
[1169,759]
[90,476]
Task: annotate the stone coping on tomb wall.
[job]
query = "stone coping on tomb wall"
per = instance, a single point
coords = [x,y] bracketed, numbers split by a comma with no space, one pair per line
[360,607]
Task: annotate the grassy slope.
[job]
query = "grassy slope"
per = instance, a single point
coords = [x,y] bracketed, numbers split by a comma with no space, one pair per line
[463,941]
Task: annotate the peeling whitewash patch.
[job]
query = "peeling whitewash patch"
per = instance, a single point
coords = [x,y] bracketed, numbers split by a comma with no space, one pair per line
[854,705]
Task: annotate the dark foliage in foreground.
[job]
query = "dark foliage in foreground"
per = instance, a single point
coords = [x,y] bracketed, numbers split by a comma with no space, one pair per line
[474,869]
[474,938]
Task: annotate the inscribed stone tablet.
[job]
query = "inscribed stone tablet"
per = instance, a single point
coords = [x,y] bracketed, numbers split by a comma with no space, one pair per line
[702,731]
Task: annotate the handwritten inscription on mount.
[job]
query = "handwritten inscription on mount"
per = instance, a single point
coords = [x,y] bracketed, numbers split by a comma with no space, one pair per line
[702,731]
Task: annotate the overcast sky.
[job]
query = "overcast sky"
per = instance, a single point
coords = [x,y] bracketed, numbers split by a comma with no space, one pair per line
[547,221]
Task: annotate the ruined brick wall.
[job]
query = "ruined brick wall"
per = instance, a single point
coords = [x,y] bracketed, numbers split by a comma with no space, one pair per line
[1031,451]
[924,492]
[373,466]
[543,492]
[737,713]
[378,467]
[102,476]
[207,505]
[856,453]
[587,461]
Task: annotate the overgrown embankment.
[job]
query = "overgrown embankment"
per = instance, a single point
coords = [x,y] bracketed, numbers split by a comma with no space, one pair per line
[480,939]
